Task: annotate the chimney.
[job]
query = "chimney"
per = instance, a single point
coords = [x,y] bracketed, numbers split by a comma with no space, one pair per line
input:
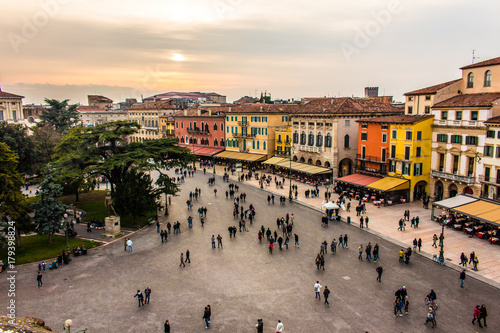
[185,112]
[199,112]
[209,112]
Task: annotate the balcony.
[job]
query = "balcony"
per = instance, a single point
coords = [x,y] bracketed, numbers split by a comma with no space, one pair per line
[243,123]
[374,159]
[454,178]
[244,135]
[372,171]
[151,128]
[400,157]
[458,123]
[310,149]
[489,180]
[197,130]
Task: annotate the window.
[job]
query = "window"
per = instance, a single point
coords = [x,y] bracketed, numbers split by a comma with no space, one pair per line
[470,80]
[428,98]
[427,109]
[487,79]
[408,135]
[215,126]
[410,98]
[456,160]
[264,145]
[311,139]
[385,127]
[227,118]
[384,138]
[407,153]
[456,139]
[418,152]
[490,134]
[222,142]
[410,109]
[216,143]
[394,134]
[176,124]
[471,140]
[444,115]
[347,122]
[328,141]
[264,119]
[497,155]
[417,169]
[258,145]
[296,137]
[392,166]
[364,136]
[363,152]
[182,124]
[347,139]
[393,151]
[473,115]
[328,124]
[227,129]
[235,118]
[487,174]
[303,138]
[364,125]
[406,169]
[419,135]
[488,151]
[442,138]
[287,140]
[441,162]
[319,140]
[311,124]
[302,123]
[182,139]
[384,154]
[458,115]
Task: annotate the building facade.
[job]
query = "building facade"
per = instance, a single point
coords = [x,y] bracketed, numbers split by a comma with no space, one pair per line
[167,126]
[100,102]
[421,101]
[11,107]
[93,116]
[490,180]
[148,116]
[282,140]
[373,147]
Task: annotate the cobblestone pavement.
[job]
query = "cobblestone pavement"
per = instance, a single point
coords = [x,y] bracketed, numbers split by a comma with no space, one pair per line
[243,282]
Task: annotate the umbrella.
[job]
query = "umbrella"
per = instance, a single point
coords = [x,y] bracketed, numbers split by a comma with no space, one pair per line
[330,205]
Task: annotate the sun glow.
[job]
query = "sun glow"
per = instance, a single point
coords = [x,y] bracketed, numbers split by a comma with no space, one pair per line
[177,57]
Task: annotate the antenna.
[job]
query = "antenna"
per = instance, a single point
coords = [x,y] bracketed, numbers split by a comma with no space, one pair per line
[473,56]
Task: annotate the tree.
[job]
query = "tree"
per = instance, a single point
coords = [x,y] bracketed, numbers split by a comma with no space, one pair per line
[45,138]
[13,205]
[60,115]
[135,196]
[49,211]
[16,137]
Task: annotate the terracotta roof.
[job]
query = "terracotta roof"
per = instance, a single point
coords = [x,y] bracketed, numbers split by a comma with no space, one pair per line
[431,89]
[85,108]
[469,100]
[159,105]
[347,105]
[9,95]
[193,112]
[489,62]
[246,99]
[264,108]
[494,120]
[397,119]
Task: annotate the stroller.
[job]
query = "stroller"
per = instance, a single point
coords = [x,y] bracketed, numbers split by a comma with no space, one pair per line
[53,265]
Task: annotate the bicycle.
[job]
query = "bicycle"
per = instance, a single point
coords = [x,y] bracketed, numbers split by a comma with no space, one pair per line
[439,260]
[431,303]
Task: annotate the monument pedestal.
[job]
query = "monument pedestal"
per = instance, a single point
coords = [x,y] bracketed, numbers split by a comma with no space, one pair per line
[111,226]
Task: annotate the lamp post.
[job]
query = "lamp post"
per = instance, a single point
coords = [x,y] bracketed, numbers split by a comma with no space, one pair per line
[441,241]
[67,231]
[290,194]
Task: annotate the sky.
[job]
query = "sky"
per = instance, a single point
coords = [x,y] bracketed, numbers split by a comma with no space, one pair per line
[68,49]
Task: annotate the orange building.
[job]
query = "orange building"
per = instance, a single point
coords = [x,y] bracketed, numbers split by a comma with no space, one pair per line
[373,148]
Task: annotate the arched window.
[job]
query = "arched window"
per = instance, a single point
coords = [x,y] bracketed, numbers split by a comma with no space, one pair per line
[227,143]
[202,127]
[190,141]
[303,138]
[487,79]
[202,141]
[346,141]
[182,139]
[221,142]
[311,139]
[319,140]
[186,140]
[206,127]
[215,142]
[328,140]
[470,80]
[190,125]
[296,137]
[215,126]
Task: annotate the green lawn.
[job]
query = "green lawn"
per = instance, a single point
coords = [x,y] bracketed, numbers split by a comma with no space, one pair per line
[37,248]
[93,203]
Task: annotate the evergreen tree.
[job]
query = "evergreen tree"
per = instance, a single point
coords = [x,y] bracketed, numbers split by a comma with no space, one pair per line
[60,115]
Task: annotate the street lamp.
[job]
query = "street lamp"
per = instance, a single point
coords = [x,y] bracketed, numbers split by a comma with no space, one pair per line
[67,327]
[67,231]
[441,242]
[290,194]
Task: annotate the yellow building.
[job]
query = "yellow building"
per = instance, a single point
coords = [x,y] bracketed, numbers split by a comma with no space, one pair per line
[410,151]
[167,126]
[282,140]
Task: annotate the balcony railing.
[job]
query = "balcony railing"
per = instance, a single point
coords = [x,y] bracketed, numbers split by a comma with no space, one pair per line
[151,128]
[244,135]
[458,123]
[453,177]
[243,123]
[490,180]
[311,149]
[400,157]
[197,131]
[375,159]
[372,171]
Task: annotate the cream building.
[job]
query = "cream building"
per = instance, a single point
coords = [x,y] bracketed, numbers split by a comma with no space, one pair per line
[11,107]
[92,116]
[490,180]
[421,101]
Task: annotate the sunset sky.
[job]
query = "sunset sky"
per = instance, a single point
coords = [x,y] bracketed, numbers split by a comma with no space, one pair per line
[67,49]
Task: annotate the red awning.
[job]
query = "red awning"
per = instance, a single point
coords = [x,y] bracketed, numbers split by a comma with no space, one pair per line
[204,151]
[358,179]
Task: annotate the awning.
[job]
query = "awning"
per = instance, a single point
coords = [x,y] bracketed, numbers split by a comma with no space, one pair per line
[275,160]
[303,167]
[388,184]
[204,151]
[459,200]
[241,156]
[357,179]
[482,210]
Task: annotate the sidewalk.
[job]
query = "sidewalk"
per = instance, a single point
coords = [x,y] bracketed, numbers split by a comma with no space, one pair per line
[384,223]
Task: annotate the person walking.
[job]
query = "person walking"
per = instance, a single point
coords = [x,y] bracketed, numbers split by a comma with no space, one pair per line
[366,222]
[463,276]
[360,251]
[401,255]
[187,256]
[166,327]
[415,244]
[140,297]
[484,314]
[361,220]
[147,295]
[39,278]
[434,240]
[477,316]
[419,244]
[219,241]
[279,327]
[379,270]
[206,317]
[375,253]
[296,240]
[125,243]
[157,226]
[317,289]
[182,261]
[326,293]
[260,326]
[129,245]
[345,241]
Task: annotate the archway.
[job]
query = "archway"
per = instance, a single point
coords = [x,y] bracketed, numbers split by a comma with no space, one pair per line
[419,191]
[345,167]
[438,191]
[294,159]
[318,163]
[327,164]
[302,160]
[453,190]
[310,161]
[468,190]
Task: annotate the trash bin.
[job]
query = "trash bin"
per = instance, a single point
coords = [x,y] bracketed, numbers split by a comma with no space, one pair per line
[349,219]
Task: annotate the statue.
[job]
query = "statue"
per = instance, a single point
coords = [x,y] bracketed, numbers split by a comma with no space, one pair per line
[108,202]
